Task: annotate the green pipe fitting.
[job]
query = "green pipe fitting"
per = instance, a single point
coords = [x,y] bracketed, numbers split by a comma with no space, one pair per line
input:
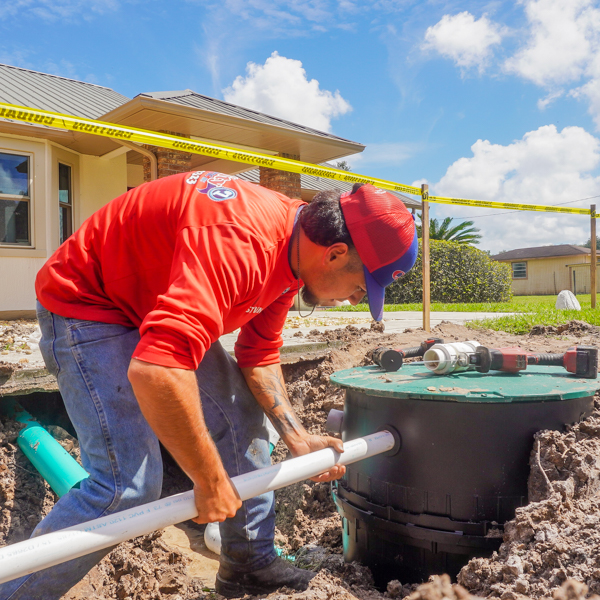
[52,461]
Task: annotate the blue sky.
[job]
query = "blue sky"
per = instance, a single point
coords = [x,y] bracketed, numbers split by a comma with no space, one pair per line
[489,100]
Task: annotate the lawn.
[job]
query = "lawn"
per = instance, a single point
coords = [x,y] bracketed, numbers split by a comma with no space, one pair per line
[532,310]
[517,304]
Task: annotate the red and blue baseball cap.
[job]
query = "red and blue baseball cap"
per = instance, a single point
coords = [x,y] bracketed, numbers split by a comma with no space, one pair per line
[385,236]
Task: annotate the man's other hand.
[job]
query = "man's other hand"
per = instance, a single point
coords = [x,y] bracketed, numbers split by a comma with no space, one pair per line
[312,443]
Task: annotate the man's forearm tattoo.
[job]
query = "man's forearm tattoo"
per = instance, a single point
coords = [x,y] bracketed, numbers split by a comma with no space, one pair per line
[270,388]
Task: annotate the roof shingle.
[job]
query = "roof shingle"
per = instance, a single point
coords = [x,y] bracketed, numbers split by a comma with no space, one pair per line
[195,100]
[542,252]
[57,94]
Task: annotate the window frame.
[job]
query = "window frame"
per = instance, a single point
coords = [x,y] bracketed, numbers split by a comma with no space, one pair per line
[521,262]
[69,205]
[29,199]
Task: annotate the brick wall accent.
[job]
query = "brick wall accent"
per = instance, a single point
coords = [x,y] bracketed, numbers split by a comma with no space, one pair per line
[282,181]
[169,161]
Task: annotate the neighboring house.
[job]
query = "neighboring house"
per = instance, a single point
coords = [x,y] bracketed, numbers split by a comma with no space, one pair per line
[52,180]
[549,269]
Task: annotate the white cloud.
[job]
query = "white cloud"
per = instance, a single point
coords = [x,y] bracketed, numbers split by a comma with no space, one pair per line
[561,40]
[18,58]
[562,49]
[543,103]
[280,88]
[544,167]
[276,17]
[465,40]
[52,10]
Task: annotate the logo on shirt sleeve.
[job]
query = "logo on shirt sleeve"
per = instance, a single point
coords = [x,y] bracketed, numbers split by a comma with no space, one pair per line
[215,186]
[193,178]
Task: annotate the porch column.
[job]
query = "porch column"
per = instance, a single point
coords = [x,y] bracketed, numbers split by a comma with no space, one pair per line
[282,181]
[169,161]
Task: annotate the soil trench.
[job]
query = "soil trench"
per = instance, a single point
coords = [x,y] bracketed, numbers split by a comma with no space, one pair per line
[551,549]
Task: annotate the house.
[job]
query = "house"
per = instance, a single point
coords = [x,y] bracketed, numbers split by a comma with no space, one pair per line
[549,269]
[52,180]
[311,185]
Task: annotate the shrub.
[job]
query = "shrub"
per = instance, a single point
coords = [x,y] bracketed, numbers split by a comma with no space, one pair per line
[459,273]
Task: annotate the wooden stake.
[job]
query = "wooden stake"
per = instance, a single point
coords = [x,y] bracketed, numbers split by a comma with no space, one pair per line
[593,246]
[425,256]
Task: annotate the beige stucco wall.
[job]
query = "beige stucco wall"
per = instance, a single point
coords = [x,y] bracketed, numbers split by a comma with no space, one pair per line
[100,181]
[95,182]
[135,175]
[547,275]
[583,279]
[19,295]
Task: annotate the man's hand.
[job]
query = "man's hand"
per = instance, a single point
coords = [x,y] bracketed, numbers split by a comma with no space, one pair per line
[216,501]
[268,387]
[170,401]
[312,443]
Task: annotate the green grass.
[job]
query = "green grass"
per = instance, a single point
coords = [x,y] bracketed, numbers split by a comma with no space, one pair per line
[532,310]
[522,323]
[517,304]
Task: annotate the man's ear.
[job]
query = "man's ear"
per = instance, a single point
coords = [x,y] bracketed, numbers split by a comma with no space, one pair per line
[337,255]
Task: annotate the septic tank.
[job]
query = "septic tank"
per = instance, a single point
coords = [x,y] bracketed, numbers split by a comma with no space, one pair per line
[460,465]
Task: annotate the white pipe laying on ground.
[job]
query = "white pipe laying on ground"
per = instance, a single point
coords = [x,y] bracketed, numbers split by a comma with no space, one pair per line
[54,548]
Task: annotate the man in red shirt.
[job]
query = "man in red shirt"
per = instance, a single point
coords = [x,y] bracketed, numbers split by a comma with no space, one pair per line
[131,309]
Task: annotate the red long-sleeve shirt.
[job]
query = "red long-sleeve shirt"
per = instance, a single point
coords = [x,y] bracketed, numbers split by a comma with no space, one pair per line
[185,259]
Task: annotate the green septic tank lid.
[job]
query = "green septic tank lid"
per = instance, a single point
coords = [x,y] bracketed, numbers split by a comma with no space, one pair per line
[537,383]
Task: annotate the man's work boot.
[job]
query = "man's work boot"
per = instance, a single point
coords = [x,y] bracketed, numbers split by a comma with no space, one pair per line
[280,573]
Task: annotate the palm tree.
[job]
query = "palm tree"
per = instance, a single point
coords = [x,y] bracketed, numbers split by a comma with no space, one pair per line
[463,233]
[343,165]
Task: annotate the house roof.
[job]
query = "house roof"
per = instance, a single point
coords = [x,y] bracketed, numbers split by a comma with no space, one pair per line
[542,252]
[57,94]
[186,112]
[195,100]
[311,185]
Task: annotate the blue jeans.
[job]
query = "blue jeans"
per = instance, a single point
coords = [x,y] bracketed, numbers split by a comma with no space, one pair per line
[121,452]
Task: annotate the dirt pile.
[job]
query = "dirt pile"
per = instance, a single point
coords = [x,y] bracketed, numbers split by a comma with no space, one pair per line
[143,569]
[19,340]
[306,515]
[556,536]
[576,328]
[551,540]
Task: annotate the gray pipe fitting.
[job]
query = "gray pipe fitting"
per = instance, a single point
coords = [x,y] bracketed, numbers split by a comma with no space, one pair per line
[335,421]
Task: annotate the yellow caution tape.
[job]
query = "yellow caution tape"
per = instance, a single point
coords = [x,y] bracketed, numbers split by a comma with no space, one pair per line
[143,136]
[133,134]
[509,205]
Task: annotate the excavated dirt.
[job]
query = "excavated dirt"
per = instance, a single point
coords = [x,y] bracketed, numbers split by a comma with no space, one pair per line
[556,536]
[551,549]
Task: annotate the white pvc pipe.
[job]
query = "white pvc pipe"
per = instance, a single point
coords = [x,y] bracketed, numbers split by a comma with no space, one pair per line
[54,548]
[212,537]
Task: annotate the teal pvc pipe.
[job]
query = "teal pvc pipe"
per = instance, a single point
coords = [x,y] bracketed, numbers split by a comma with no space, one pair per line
[52,461]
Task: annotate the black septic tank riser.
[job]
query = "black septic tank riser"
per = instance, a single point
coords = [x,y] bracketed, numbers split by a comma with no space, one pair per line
[461,470]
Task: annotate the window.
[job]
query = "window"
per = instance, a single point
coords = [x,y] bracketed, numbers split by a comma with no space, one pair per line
[65,201]
[14,200]
[519,270]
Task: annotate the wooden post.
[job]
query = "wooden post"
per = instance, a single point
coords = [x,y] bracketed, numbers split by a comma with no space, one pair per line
[593,246]
[425,257]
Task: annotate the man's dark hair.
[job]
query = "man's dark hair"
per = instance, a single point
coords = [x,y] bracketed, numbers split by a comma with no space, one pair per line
[323,221]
